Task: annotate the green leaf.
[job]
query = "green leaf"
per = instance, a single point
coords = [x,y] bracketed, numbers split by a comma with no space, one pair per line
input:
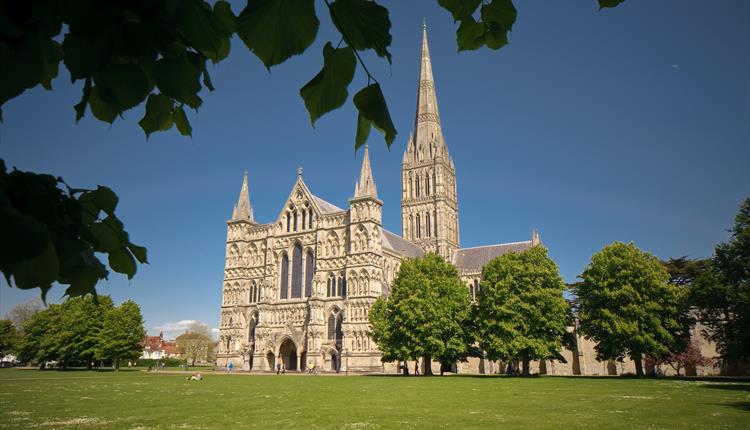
[127,81]
[275,30]
[470,35]
[80,108]
[104,198]
[181,121]
[84,281]
[365,23]
[83,57]
[121,261]
[139,252]
[363,131]
[498,17]
[177,78]
[106,237]
[103,110]
[196,22]
[158,116]
[371,105]
[225,17]
[460,9]
[53,55]
[609,3]
[37,272]
[328,89]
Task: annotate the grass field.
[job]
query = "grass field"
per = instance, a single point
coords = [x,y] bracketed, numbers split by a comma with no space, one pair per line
[141,400]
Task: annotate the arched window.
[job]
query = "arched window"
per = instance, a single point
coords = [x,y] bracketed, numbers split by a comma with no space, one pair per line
[342,285]
[297,271]
[309,271]
[419,227]
[417,184]
[310,219]
[288,222]
[429,225]
[411,226]
[284,274]
[427,185]
[331,285]
[410,191]
[335,320]
[304,219]
[295,220]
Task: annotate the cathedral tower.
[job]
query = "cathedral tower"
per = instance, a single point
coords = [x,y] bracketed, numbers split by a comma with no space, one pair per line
[429,206]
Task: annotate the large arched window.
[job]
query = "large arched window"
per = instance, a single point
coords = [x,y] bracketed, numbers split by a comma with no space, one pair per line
[284,274]
[417,185]
[427,185]
[310,219]
[429,225]
[294,215]
[297,271]
[288,222]
[309,272]
[304,219]
[419,227]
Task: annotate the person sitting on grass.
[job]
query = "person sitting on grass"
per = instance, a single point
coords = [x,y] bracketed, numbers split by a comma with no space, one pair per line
[195,377]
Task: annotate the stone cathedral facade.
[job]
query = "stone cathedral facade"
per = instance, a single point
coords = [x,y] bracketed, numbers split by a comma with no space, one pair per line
[298,289]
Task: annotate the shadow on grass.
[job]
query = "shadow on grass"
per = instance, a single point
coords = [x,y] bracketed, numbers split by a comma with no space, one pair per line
[730,387]
[743,406]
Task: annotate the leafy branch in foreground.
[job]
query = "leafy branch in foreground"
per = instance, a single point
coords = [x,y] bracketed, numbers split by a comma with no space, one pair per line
[157,51]
[54,235]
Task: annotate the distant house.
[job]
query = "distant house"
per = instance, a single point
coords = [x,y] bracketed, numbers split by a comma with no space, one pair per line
[156,348]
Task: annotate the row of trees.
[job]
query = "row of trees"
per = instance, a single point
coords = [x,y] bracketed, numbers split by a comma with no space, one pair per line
[79,332]
[628,302]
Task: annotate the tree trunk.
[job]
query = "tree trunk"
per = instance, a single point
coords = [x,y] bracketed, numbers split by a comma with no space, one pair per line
[427,365]
[638,364]
[526,365]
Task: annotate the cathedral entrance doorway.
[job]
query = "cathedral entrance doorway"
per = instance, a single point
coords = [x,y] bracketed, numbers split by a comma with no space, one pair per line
[333,362]
[288,354]
[271,359]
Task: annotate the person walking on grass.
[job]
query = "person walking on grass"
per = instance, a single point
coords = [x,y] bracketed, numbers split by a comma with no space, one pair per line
[230,365]
[278,367]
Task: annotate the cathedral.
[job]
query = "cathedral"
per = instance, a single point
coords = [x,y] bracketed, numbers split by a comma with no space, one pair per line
[297,290]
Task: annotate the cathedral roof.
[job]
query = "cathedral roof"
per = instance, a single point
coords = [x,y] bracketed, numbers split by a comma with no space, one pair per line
[396,243]
[325,207]
[476,258]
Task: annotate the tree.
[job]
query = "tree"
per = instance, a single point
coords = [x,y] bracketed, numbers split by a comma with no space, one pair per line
[722,293]
[196,344]
[128,53]
[23,312]
[521,311]
[78,329]
[121,334]
[39,342]
[626,305]
[684,271]
[8,338]
[690,357]
[426,314]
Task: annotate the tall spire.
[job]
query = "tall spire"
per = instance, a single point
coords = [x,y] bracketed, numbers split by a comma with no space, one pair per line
[365,187]
[427,118]
[243,210]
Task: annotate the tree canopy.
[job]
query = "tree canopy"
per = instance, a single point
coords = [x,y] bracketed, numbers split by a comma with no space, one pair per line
[83,330]
[521,311]
[196,344]
[426,314]
[626,305]
[722,293]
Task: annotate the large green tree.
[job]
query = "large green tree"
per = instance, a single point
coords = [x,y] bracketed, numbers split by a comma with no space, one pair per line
[521,311]
[156,52]
[121,334]
[9,338]
[426,314]
[722,293]
[627,306]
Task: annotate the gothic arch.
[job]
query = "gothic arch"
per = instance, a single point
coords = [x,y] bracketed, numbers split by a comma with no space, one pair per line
[297,270]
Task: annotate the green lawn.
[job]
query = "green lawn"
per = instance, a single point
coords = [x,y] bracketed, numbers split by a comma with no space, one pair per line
[141,400]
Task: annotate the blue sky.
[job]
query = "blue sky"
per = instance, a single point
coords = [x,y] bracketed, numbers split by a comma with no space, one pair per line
[628,124]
